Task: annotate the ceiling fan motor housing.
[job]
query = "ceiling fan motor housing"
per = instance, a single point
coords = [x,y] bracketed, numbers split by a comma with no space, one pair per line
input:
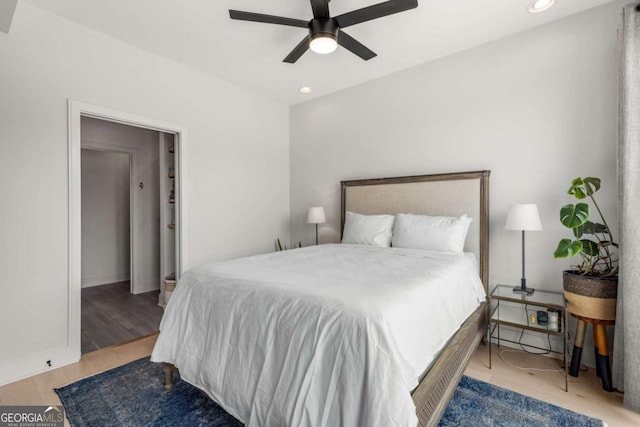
[323,28]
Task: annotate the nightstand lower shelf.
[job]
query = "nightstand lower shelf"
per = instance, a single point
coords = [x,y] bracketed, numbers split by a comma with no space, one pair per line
[521,311]
[502,339]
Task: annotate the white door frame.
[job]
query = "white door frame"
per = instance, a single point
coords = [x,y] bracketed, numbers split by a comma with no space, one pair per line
[134,238]
[76,110]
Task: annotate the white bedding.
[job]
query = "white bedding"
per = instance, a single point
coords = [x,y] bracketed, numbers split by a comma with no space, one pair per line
[330,335]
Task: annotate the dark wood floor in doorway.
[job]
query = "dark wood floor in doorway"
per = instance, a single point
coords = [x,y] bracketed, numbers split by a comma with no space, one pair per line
[111,315]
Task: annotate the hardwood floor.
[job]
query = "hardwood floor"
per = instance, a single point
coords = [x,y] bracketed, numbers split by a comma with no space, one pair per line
[38,390]
[585,393]
[112,315]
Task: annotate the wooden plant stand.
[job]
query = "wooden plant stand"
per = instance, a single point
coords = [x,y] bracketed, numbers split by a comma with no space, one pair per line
[603,365]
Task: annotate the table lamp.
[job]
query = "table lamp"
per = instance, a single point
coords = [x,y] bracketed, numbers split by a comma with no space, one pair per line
[316,216]
[523,218]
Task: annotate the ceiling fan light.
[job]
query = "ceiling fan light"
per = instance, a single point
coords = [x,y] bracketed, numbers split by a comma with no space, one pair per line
[323,44]
[540,5]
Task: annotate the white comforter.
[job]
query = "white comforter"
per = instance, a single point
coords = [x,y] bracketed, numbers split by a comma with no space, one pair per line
[330,335]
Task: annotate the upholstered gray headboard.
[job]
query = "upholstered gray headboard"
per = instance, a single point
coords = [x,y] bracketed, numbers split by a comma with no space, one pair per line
[450,194]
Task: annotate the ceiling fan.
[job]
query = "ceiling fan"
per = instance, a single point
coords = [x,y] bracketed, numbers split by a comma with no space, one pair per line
[325,32]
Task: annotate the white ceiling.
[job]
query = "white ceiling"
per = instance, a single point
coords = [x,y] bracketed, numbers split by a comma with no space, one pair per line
[200,35]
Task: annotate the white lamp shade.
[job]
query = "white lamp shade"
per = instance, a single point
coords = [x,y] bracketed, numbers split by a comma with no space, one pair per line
[523,218]
[316,215]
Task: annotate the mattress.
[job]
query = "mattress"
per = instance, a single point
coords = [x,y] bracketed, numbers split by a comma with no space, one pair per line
[327,335]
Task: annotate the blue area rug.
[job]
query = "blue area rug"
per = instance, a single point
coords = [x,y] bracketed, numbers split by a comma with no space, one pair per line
[133,395]
[476,403]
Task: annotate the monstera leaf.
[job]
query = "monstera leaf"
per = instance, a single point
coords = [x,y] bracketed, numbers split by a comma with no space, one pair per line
[567,248]
[572,216]
[594,227]
[589,247]
[589,228]
[582,188]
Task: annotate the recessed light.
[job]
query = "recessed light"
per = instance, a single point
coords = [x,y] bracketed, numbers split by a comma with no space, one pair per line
[540,5]
[305,89]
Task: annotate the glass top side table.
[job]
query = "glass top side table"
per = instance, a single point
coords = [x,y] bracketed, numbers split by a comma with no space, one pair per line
[520,311]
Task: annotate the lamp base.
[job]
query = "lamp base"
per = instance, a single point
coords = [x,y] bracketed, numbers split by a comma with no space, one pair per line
[523,290]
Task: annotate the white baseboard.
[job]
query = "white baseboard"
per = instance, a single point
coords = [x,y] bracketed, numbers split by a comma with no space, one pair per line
[161,300]
[147,286]
[88,282]
[37,363]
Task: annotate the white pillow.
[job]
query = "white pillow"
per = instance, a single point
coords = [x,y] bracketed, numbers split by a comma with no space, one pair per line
[375,230]
[436,233]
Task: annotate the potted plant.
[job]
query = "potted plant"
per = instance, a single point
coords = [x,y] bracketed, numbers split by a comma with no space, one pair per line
[279,246]
[590,287]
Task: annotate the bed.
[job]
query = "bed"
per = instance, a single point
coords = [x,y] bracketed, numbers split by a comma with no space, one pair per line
[274,349]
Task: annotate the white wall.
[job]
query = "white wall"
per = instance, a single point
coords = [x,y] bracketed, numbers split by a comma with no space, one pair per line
[7,9]
[146,144]
[538,109]
[237,153]
[105,217]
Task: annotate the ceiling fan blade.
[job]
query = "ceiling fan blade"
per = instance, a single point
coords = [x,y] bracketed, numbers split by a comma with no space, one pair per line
[320,8]
[297,51]
[376,11]
[268,19]
[353,45]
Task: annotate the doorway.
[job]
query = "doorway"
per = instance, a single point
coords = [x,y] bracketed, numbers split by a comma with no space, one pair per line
[138,287]
[120,193]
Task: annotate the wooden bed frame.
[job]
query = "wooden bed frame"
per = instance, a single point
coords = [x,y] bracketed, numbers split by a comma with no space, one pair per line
[450,194]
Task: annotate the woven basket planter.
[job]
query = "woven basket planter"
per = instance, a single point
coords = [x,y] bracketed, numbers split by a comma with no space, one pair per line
[590,297]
